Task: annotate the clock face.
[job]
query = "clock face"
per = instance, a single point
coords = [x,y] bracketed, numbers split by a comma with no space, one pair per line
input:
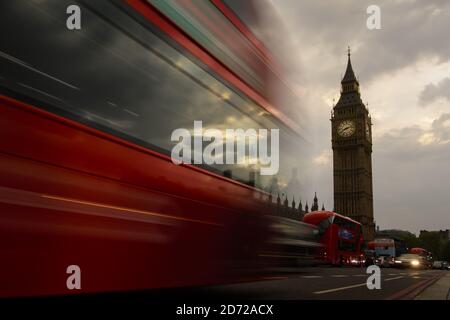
[346,128]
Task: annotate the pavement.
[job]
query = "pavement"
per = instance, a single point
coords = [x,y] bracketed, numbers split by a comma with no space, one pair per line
[328,283]
[440,290]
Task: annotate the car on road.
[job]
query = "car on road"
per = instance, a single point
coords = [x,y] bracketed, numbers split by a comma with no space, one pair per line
[426,255]
[410,260]
[443,265]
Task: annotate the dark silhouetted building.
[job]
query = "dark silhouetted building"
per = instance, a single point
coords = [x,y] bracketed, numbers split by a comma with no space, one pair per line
[352,155]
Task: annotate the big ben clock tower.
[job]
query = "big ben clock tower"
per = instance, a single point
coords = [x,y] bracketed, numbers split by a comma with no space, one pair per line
[352,155]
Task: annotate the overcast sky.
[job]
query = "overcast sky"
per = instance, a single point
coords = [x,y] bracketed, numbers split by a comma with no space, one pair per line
[404,73]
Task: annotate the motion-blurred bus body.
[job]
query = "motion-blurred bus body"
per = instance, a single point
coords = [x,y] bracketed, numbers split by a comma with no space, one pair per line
[291,244]
[341,236]
[86,177]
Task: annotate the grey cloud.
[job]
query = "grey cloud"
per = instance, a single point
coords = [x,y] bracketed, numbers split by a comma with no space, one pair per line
[405,144]
[441,128]
[433,92]
[410,179]
[410,30]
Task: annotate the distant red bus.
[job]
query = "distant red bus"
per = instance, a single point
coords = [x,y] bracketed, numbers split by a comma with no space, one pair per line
[341,236]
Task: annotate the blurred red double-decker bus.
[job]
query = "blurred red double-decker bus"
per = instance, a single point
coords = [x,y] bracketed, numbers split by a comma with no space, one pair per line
[341,236]
[86,177]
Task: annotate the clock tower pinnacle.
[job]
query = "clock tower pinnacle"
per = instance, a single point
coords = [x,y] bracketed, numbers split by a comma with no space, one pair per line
[351,131]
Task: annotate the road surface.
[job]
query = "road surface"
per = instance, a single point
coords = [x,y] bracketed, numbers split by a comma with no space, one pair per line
[326,283]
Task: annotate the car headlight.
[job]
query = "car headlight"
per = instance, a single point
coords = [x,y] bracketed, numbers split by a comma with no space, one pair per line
[415,262]
[398,261]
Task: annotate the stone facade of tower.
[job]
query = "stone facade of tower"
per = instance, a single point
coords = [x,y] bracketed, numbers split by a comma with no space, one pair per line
[351,131]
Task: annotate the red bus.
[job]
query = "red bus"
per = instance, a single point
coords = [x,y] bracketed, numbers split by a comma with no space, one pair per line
[341,236]
[86,177]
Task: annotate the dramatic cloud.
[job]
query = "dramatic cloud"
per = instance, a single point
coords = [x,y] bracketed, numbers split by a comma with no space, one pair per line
[411,166]
[410,31]
[441,129]
[432,92]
